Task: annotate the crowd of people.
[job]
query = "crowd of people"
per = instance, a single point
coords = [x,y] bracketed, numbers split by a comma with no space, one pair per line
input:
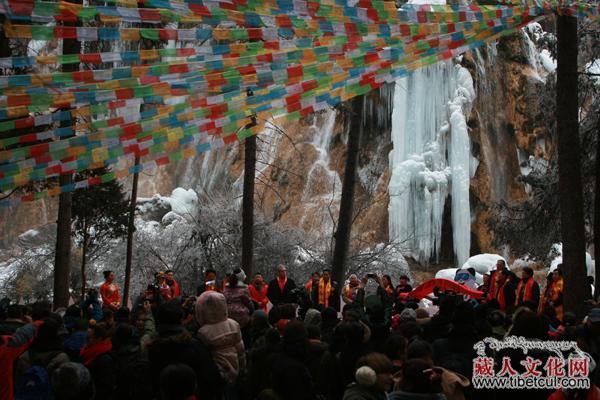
[367,339]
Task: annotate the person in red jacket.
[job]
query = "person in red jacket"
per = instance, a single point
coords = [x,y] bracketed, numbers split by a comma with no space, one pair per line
[258,291]
[11,348]
[175,290]
[109,291]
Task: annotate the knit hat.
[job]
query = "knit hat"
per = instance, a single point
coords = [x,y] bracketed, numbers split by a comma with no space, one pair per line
[408,314]
[366,376]
[312,317]
[72,381]
[240,274]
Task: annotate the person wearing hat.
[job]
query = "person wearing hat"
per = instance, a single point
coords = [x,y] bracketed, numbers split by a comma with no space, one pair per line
[73,381]
[239,305]
[373,378]
[280,288]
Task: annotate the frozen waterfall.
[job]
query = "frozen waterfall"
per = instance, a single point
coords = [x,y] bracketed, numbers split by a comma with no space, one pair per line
[431,157]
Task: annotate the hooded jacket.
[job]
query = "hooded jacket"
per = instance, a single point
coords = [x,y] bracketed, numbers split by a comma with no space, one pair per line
[221,334]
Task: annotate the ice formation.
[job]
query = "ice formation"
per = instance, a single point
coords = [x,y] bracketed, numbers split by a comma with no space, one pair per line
[431,157]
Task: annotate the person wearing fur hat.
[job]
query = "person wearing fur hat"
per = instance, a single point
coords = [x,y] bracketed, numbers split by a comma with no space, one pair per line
[373,378]
[239,305]
[73,381]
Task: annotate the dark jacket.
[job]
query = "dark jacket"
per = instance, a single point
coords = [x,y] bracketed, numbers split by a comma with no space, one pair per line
[102,368]
[291,379]
[358,392]
[73,345]
[400,395]
[103,371]
[9,327]
[133,380]
[456,351]
[175,345]
[334,296]
[277,296]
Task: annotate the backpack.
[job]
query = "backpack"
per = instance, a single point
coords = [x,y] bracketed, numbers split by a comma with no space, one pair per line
[34,385]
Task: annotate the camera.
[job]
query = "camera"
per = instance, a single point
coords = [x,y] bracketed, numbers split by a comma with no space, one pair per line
[371,275]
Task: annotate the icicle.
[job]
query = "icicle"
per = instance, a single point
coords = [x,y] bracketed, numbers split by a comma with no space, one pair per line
[428,115]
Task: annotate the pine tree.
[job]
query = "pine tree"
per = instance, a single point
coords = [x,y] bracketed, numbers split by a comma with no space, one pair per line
[99,215]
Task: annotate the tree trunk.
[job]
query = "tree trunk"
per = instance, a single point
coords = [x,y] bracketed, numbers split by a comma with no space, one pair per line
[344,225]
[569,168]
[62,261]
[4,43]
[248,205]
[248,198]
[130,230]
[597,223]
[83,261]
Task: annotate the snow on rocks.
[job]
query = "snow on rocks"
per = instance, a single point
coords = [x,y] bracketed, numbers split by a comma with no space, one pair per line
[557,260]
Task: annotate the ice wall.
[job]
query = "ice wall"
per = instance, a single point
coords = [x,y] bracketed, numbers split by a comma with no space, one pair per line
[431,157]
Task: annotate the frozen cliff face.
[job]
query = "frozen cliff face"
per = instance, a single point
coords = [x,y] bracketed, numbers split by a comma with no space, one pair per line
[431,158]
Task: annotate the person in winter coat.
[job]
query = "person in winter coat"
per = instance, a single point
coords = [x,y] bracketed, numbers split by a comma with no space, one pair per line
[76,340]
[373,378]
[221,334]
[11,347]
[280,288]
[290,376]
[420,381]
[239,305]
[258,292]
[173,344]
[96,356]
[73,381]
[132,380]
[46,350]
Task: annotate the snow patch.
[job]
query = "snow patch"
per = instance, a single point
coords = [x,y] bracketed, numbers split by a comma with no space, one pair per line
[547,61]
[593,67]
[184,202]
[484,263]
[556,251]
